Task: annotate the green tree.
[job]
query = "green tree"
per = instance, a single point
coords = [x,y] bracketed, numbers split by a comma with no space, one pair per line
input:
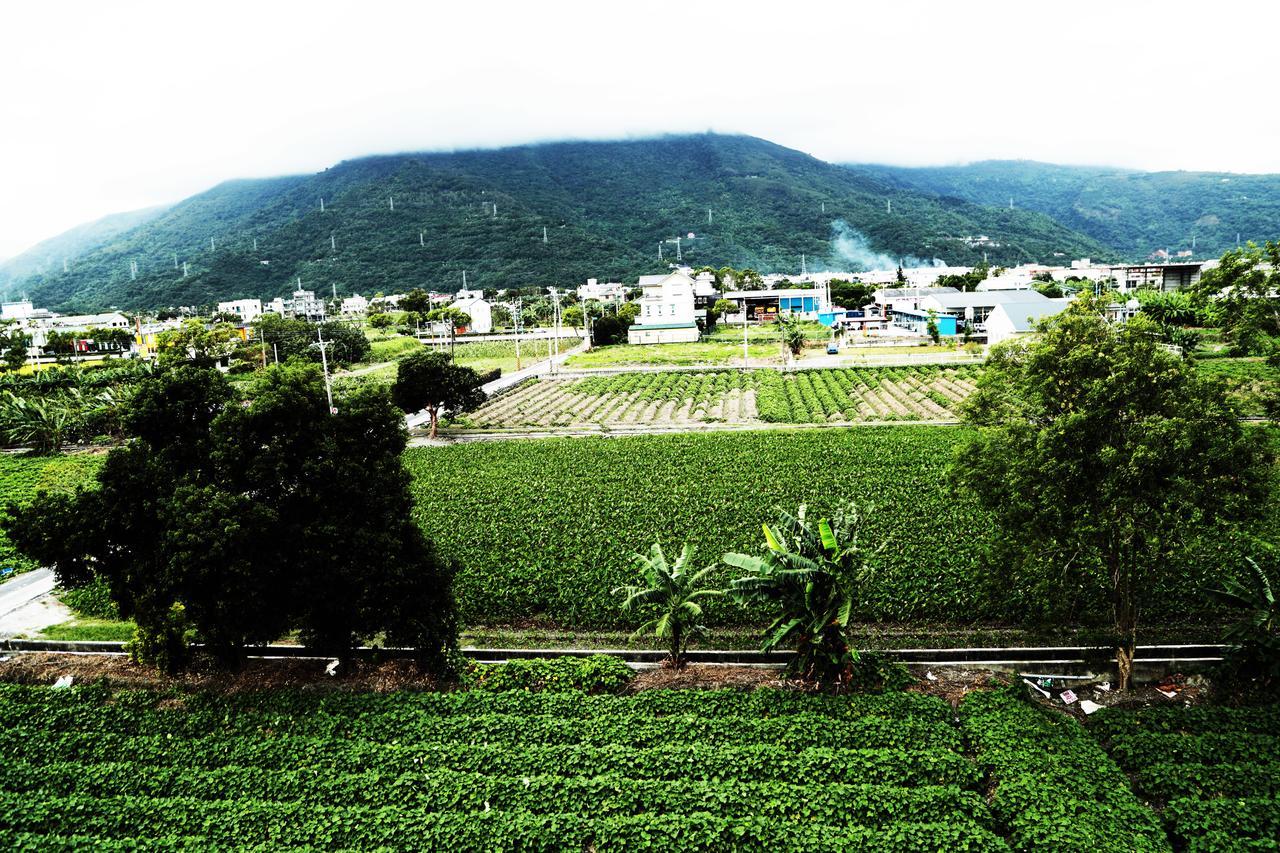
[792,334]
[13,349]
[194,343]
[932,328]
[416,301]
[1253,660]
[455,317]
[812,577]
[670,591]
[1245,290]
[572,317]
[292,338]
[431,381]
[235,523]
[1103,457]
[501,317]
[381,321]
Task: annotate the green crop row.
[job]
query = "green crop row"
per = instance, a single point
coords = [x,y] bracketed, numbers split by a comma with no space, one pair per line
[910,766]
[434,790]
[1218,770]
[794,730]
[288,824]
[1054,786]
[39,700]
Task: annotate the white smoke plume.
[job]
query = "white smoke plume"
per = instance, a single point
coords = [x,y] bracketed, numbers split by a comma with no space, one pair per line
[851,247]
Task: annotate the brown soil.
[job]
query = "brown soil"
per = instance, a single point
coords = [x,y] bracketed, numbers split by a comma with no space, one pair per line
[952,684]
[120,671]
[694,677]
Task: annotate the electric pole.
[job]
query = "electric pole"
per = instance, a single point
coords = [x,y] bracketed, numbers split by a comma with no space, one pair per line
[324,362]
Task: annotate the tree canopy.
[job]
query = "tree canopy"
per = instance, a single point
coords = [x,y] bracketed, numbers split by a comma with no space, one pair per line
[430,380]
[1103,456]
[233,521]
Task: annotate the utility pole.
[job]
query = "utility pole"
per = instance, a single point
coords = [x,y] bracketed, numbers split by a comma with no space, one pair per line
[518,321]
[744,332]
[324,362]
[184,269]
[544,233]
[212,246]
[392,201]
[708,216]
[333,242]
[659,250]
[276,351]
[175,260]
[679,257]
[422,240]
[322,204]
[263,342]
[555,326]
[255,244]
[888,205]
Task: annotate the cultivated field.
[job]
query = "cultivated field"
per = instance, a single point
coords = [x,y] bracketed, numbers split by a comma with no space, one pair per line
[450,771]
[1213,772]
[852,395]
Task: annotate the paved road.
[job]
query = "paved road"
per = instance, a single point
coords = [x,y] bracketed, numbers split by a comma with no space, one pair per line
[26,604]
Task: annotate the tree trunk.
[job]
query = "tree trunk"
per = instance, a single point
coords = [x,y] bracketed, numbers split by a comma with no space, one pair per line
[1124,664]
[433,422]
[677,652]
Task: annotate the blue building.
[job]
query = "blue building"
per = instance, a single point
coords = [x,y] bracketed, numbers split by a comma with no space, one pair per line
[918,321]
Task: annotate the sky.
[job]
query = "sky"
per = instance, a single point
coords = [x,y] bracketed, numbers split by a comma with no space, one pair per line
[106,107]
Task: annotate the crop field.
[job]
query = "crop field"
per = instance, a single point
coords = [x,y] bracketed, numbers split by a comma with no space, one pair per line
[85,769]
[852,395]
[543,529]
[1214,773]
[1247,380]
[22,476]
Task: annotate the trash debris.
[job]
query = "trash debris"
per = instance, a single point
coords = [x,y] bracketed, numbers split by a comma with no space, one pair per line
[1089,707]
[1038,688]
[5,658]
[63,682]
[1168,694]
[1067,696]
[931,676]
[332,667]
[1105,687]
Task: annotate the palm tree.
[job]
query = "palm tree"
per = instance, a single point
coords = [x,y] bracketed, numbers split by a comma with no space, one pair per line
[673,592]
[812,575]
[1255,639]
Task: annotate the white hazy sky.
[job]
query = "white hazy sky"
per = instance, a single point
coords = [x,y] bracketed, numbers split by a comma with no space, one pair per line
[113,106]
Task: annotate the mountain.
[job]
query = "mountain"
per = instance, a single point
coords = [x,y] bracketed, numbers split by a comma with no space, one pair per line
[50,254]
[394,222]
[1135,213]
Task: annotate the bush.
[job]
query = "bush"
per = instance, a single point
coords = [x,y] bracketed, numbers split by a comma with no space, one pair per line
[594,674]
[92,600]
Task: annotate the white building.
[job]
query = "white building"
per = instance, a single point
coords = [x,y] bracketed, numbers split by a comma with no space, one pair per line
[666,310]
[977,306]
[302,304]
[602,291]
[356,304]
[17,310]
[472,302]
[1010,319]
[73,322]
[246,310]
[804,303]
[892,299]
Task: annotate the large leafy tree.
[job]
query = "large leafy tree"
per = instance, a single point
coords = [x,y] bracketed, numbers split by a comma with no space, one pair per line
[1103,456]
[670,592]
[811,575]
[430,380]
[241,520]
[1245,290]
[288,337]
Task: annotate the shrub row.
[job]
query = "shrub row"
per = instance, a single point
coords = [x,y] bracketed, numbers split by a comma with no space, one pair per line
[434,790]
[756,762]
[1167,781]
[1054,786]
[238,822]
[795,730]
[1205,719]
[1141,749]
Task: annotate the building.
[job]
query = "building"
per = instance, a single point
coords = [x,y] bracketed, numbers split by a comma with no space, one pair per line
[246,310]
[917,320]
[472,303]
[893,299]
[355,304]
[1175,276]
[23,310]
[666,310]
[302,305]
[805,303]
[975,307]
[1010,319]
[870,318]
[602,292]
[70,322]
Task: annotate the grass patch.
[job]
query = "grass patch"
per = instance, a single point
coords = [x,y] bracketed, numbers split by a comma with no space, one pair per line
[90,630]
[709,353]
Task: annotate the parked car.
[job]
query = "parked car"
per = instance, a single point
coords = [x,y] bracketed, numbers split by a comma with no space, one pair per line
[833,348]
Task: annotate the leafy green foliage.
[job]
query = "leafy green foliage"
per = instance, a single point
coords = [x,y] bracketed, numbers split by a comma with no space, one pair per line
[241,522]
[671,592]
[1242,291]
[1214,770]
[1252,663]
[1103,457]
[811,577]
[1053,785]
[593,674]
[605,206]
[541,770]
[430,380]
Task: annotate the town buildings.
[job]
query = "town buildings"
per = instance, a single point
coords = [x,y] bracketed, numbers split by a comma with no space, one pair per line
[666,310]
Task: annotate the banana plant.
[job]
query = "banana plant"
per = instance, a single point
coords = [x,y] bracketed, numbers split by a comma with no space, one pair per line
[1255,637]
[671,592]
[811,575]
